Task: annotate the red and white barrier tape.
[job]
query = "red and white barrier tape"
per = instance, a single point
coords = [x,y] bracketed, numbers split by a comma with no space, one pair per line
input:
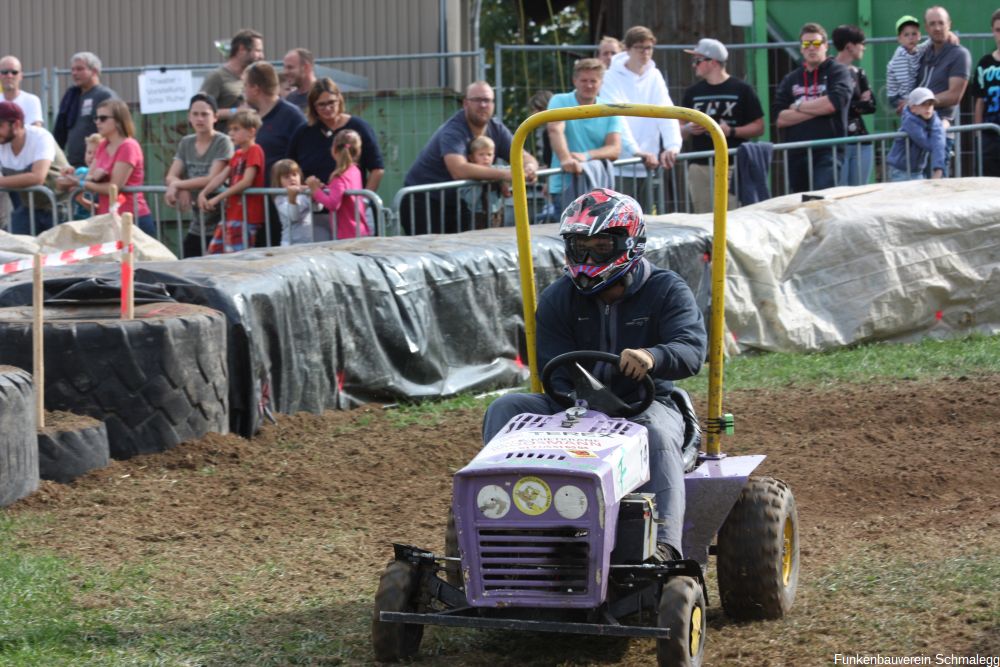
[65,257]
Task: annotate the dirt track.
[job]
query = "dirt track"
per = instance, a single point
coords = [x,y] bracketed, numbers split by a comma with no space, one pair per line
[896,471]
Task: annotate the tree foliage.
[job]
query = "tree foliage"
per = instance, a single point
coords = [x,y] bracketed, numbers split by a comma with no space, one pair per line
[521,23]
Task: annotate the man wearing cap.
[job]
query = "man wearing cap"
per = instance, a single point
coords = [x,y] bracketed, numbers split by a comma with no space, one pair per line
[634,78]
[11,75]
[811,103]
[75,121]
[26,155]
[730,102]
[945,69]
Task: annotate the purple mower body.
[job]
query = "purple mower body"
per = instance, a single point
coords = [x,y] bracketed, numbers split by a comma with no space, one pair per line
[537,510]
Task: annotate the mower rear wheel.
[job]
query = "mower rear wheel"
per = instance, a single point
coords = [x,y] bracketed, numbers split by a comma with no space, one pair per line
[758,552]
[682,610]
[452,569]
[398,590]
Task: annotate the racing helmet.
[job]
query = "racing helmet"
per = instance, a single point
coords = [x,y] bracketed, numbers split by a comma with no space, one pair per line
[605,237]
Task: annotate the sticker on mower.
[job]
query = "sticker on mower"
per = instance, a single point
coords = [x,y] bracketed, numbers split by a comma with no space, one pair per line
[581,453]
[532,495]
[529,440]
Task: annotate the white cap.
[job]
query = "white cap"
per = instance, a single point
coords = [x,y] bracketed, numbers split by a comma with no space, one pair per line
[919,95]
[710,48]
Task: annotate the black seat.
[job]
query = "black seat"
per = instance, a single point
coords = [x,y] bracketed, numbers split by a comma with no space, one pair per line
[692,429]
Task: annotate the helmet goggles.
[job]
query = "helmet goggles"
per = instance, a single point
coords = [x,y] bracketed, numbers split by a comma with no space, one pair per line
[601,248]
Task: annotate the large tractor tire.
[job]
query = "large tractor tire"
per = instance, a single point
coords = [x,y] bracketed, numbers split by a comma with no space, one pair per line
[682,610]
[452,569]
[71,447]
[398,590]
[18,440]
[155,381]
[758,552]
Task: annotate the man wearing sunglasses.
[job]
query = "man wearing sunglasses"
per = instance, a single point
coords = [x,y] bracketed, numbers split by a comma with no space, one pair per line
[11,75]
[612,299]
[811,103]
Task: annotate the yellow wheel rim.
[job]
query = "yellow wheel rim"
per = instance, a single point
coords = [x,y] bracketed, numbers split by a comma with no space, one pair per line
[787,551]
[695,631]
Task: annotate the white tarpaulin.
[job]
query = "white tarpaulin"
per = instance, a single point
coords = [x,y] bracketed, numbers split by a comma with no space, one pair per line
[896,261]
[79,234]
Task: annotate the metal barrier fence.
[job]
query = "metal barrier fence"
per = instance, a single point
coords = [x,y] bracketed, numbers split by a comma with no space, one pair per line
[172,224]
[669,191]
[660,191]
[379,72]
[31,217]
[522,70]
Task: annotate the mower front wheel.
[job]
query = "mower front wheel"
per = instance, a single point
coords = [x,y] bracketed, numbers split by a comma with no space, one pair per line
[758,552]
[398,590]
[682,610]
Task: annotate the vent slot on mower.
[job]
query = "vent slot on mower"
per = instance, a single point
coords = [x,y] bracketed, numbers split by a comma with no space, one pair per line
[534,455]
[534,561]
[525,421]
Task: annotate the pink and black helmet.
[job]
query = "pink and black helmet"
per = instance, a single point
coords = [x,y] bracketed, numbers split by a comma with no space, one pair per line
[605,237]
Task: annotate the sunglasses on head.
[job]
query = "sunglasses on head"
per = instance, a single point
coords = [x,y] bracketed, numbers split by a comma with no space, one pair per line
[599,248]
[816,43]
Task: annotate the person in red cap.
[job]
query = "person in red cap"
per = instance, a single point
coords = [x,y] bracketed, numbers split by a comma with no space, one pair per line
[26,154]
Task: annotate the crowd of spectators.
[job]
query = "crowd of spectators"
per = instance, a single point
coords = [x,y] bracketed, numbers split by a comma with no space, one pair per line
[301,120]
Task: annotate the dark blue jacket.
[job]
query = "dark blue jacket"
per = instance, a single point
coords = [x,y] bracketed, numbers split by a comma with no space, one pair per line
[658,312]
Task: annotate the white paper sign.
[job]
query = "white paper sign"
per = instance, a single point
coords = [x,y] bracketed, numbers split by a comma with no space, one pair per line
[741,13]
[160,92]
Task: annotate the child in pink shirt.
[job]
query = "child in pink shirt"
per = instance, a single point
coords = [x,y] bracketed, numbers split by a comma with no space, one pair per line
[349,209]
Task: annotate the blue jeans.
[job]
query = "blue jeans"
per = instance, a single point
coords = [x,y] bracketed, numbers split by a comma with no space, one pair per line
[20,219]
[855,169]
[147,224]
[666,469]
[897,175]
[822,169]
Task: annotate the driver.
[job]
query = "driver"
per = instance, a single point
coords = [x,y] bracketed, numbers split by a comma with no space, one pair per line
[611,299]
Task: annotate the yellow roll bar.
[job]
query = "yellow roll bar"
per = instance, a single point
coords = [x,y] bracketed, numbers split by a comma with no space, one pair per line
[720,197]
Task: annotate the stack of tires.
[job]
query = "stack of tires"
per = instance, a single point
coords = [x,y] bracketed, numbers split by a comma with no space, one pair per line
[18,444]
[154,381]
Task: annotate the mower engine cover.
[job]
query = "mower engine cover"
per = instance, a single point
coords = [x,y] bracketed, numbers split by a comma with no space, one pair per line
[537,509]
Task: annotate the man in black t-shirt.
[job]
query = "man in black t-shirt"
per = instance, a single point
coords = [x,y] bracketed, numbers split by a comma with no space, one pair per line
[731,103]
[986,91]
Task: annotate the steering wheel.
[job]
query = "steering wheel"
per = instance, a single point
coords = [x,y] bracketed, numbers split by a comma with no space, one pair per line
[589,388]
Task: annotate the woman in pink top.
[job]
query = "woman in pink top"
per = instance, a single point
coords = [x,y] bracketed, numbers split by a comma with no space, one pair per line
[350,210]
[118,162]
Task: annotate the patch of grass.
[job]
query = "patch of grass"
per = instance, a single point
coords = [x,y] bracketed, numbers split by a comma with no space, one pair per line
[974,355]
[894,603]
[429,413]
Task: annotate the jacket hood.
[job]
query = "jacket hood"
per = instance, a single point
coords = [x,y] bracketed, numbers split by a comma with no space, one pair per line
[618,65]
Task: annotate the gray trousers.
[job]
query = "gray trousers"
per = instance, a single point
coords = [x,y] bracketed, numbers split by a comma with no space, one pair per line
[666,436]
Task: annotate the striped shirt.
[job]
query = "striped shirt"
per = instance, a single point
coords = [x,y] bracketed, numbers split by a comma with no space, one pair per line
[901,73]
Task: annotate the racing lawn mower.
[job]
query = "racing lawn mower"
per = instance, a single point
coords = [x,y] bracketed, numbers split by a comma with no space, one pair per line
[547,532]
